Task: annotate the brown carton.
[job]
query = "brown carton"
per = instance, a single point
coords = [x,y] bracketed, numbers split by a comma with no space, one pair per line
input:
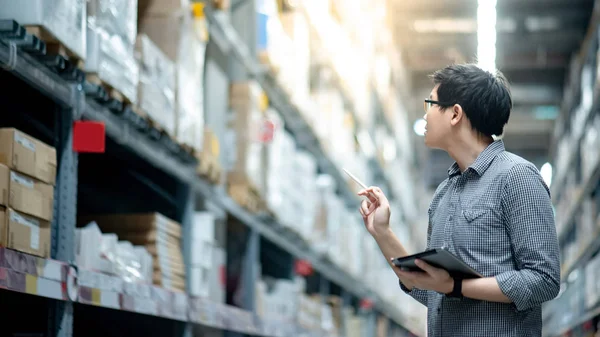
[133,223]
[27,234]
[25,194]
[27,155]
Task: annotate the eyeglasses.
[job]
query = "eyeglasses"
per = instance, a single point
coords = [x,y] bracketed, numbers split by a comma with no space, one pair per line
[428,103]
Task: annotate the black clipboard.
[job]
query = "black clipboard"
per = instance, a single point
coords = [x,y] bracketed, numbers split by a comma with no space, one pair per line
[439,258]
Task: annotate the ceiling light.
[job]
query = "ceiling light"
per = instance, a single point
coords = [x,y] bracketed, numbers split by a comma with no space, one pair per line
[419,127]
[445,26]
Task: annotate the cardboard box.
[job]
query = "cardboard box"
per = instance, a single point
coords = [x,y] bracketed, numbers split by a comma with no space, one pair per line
[25,233]
[134,222]
[27,155]
[26,194]
[158,7]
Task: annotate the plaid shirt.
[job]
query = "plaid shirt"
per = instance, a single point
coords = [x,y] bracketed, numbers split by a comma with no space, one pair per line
[497,217]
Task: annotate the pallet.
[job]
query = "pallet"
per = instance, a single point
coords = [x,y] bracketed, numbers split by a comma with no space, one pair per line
[245,193]
[54,46]
[39,44]
[110,90]
[245,196]
[209,167]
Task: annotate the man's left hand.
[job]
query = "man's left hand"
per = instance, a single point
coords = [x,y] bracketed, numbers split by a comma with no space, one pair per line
[430,278]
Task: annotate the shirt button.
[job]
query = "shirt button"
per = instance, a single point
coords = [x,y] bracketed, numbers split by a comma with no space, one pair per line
[450,218]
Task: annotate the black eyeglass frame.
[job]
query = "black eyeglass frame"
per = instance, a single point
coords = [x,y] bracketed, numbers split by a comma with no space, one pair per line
[428,103]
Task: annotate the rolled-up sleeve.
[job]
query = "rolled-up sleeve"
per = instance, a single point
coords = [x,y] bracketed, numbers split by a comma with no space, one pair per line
[417,294]
[529,221]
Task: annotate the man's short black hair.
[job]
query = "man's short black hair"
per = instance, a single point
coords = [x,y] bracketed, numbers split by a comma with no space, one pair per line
[484,97]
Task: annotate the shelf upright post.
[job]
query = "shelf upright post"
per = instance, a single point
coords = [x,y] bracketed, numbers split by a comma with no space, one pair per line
[186,201]
[60,313]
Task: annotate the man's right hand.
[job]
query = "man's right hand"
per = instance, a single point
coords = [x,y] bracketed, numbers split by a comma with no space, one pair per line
[375,211]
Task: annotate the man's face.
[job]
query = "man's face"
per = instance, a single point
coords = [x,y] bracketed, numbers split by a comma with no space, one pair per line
[438,125]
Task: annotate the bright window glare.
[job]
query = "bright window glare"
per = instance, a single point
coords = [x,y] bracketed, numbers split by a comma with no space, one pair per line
[419,127]
[546,172]
[486,34]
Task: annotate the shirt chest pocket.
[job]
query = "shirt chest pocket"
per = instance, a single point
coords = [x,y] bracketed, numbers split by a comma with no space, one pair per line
[479,230]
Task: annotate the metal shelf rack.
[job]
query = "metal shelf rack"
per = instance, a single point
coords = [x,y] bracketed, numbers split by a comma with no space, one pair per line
[57,278]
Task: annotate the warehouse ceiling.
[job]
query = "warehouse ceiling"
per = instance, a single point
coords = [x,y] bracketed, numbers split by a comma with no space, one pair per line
[535,41]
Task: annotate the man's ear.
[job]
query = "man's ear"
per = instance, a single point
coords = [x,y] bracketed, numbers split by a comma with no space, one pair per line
[457,114]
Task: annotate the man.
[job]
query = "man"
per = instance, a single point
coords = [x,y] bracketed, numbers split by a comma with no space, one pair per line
[493,211]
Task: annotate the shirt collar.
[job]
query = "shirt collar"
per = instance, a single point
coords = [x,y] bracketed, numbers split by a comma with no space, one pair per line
[483,161]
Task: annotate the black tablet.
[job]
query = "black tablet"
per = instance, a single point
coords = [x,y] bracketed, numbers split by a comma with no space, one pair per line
[440,258]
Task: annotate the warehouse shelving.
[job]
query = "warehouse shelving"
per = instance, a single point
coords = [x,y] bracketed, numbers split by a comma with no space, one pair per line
[59,276]
[575,184]
[125,134]
[43,79]
[223,32]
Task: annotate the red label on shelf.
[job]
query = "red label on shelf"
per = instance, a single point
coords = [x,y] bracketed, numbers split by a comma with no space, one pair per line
[303,268]
[89,137]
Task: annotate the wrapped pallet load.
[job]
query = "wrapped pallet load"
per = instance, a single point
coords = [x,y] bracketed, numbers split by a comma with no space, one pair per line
[56,22]
[156,88]
[178,32]
[111,36]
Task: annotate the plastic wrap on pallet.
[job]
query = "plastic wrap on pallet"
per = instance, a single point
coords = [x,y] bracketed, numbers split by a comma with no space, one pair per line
[171,28]
[64,19]
[111,59]
[156,89]
[190,67]
[118,18]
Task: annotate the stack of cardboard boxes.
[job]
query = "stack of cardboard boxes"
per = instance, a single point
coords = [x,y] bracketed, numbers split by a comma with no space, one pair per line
[159,235]
[27,179]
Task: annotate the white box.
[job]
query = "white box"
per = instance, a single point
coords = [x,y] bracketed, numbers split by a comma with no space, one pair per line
[202,254]
[87,251]
[203,227]
[65,19]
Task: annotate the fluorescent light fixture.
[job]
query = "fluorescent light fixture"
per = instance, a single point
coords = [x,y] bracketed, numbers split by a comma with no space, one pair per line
[419,127]
[445,25]
[486,35]
[546,172]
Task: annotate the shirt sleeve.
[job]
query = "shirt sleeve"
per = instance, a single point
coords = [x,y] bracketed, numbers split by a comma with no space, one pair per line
[417,294]
[529,220]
